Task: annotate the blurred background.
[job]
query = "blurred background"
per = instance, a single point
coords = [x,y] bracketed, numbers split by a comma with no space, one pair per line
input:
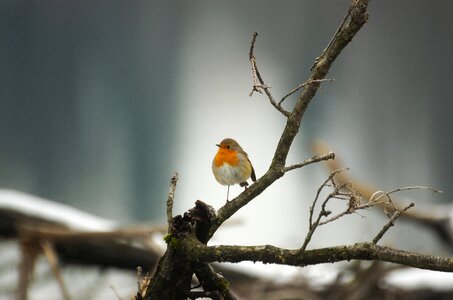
[102,101]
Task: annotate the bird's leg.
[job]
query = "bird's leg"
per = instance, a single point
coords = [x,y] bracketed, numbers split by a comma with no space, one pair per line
[228,192]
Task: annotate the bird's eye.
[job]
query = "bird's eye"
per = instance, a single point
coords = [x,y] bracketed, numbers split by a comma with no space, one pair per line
[228,146]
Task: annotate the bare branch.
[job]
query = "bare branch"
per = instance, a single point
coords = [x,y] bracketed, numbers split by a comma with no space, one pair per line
[351,209]
[314,159]
[390,223]
[171,196]
[375,200]
[323,212]
[407,188]
[329,179]
[303,85]
[438,224]
[52,258]
[345,18]
[258,82]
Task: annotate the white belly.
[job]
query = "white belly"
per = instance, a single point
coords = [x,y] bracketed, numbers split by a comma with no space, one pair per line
[227,175]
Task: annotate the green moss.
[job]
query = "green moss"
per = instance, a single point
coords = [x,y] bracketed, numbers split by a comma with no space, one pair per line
[168,237]
[223,286]
[172,241]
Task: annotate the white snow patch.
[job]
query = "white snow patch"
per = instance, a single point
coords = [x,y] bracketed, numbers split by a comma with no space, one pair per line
[53,211]
[414,279]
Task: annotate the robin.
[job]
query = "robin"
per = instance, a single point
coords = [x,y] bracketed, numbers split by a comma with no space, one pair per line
[231,165]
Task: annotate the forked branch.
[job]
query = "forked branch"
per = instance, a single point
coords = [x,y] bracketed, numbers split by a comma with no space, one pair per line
[390,223]
[258,82]
[304,85]
[312,226]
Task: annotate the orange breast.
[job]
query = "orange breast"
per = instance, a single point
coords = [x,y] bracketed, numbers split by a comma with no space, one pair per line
[226,156]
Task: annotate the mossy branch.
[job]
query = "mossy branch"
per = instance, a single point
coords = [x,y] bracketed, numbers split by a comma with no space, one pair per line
[360,251]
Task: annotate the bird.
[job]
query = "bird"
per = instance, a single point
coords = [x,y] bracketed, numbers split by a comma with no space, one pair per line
[231,165]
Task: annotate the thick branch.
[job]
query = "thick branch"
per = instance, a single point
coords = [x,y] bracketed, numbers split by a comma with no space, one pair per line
[343,36]
[360,251]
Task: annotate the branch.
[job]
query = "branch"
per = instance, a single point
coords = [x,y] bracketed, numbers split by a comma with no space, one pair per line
[352,207]
[52,258]
[390,223]
[303,85]
[213,282]
[323,212]
[438,224]
[343,36]
[360,251]
[314,159]
[323,185]
[407,188]
[258,82]
[355,198]
[171,196]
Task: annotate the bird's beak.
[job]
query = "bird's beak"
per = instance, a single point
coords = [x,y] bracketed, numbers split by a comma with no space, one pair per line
[217,145]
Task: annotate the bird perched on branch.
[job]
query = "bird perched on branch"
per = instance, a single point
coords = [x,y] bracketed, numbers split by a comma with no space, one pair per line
[231,165]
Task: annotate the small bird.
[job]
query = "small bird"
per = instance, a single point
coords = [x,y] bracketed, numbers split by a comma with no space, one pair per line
[231,165]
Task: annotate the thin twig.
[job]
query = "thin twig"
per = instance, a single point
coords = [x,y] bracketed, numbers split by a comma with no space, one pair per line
[139,278]
[346,212]
[352,208]
[390,223]
[376,201]
[51,255]
[171,196]
[117,295]
[323,212]
[407,188]
[323,185]
[303,85]
[314,159]
[258,82]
